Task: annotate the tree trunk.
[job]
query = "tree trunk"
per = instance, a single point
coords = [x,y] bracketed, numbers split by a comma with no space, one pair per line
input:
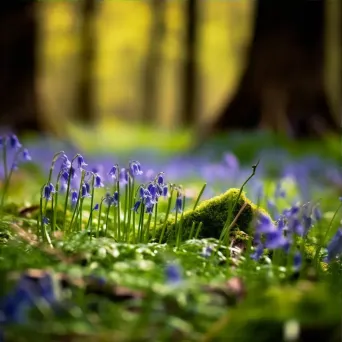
[282,87]
[18,36]
[189,92]
[153,60]
[85,92]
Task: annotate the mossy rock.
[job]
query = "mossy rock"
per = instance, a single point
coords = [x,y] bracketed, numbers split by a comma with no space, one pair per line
[213,214]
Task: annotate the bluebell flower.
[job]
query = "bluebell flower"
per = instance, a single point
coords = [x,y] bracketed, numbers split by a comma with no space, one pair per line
[45,220]
[96,207]
[74,197]
[98,182]
[2,141]
[152,188]
[264,224]
[317,213]
[173,274]
[136,206]
[123,176]
[179,203]
[26,155]
[52,188]
[87,187]
[281,223]
[275,240]
[307,223]
[48,190]
[165,191]
[14,142]
[149,209]
[206,252]
[160,180]
[335,246]
[15,306]
[66,162]
[72,172]
[84,191]
[135,168]
[295,226]
[112,171]
[116,198]
[112,199]
[148,201]
[65,173]
[294,210]
[258,251]
[80,162]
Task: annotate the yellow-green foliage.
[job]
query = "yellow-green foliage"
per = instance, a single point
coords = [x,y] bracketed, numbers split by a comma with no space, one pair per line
[122,36]
[213,214]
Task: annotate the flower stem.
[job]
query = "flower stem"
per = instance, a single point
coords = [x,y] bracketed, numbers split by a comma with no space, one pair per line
[199,196]
[180,225]
[155,221]
[76,209]
[90,221]
[148,227]
[119,209]
[131,195]
[198,230]
[192,230]
[8,176]
[125,212]
[166,216]
[81,214]
[141,222]
[67,193]
[107,215]
[52,167]
[99,219]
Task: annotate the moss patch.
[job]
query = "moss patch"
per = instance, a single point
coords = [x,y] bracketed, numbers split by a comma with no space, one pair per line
[213,214]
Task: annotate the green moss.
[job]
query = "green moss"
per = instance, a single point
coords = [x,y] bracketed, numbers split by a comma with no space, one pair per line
[213,214]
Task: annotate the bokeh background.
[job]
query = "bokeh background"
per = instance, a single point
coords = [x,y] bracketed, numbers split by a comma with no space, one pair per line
[114,70]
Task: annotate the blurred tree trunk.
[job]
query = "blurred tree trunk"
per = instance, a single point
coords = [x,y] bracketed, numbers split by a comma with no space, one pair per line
[282,87]
[85,92]
[153,60]
[18,37]
[189,86]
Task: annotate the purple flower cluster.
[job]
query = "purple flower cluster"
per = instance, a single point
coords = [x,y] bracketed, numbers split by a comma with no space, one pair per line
[11,147]
[334,247]
[173,273]
[295,221]
[27,293]
[14,150]
[149,195]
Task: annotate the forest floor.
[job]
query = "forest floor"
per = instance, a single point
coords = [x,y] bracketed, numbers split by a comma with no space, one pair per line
[134,244]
